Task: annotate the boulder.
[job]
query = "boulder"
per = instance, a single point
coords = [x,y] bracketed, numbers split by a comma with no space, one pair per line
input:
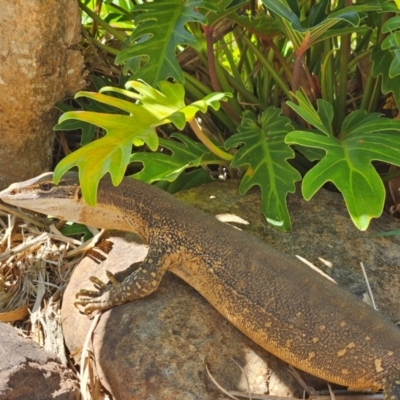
[29,372]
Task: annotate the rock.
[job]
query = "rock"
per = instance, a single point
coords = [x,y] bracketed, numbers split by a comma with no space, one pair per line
[29,372]
[157,348]
[35,74]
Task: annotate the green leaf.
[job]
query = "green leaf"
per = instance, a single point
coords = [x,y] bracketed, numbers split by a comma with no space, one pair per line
[381,63]
[223,9]
[161,27]
[108,154]
[88,130]
[186,181]
[361,30]
[260,25]
[321,119]
[77,229]
[348,162]
[135,125]
[285,12]
[161,166]
[392,42]
[318,12]
[293,28]
[168,104]
[395,65]
[265,154]
[392,24]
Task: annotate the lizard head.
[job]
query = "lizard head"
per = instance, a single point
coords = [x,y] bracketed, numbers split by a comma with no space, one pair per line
[41,194]
[65,201]
[42,190]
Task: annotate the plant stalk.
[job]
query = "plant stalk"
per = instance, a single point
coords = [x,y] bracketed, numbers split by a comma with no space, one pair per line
[115,32]
[208,143]
[212,69]
[278,80]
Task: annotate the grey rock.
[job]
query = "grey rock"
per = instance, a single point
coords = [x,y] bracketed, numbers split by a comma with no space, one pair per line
[27,372]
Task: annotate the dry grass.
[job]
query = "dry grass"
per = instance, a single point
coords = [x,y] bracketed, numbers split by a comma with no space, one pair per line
[36,261]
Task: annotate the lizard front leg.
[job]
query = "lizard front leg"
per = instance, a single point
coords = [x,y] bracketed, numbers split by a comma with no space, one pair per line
[140,283]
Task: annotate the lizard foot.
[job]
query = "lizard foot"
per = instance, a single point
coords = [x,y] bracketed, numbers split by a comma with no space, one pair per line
[106,296]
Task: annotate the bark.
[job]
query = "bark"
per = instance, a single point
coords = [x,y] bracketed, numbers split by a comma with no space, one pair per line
[39,66]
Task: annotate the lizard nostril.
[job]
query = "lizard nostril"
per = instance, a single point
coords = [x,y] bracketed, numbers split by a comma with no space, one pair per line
[13,192]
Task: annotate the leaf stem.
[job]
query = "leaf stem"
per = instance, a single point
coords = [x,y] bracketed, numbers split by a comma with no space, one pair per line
[375,94]
[358,58]
[328,84]
[278,80]
[368,89]
[208,143]
[208,34]
[212,69]
[283,63]
[297,61]
[197,90]
[372,92]
[119,35]
[246,95]
[108,49]
[344,65]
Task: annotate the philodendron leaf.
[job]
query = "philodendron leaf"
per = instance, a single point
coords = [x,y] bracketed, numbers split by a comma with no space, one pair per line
[135,125]
[382,60]
[265,155]
[164,167]
[223,9]
[295,30]
[321,118]
[392,42]
[161,27]
[348,161]
[186,181]
[88,130]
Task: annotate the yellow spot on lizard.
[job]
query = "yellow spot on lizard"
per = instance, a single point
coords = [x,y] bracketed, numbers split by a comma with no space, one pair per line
[378,365]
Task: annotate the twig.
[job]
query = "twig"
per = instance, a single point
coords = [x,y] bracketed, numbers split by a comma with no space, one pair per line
[219,386]
[368,286]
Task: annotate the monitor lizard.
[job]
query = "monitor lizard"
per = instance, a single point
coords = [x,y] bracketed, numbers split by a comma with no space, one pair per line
[280,303]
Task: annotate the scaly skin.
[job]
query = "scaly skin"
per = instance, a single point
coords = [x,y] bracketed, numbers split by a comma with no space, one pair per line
[277,301]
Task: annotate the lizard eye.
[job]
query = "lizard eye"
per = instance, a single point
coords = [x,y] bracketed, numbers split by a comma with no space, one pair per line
[46,186]
[79,194]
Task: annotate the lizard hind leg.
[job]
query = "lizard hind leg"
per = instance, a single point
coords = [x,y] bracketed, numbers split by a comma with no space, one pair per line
[140,283]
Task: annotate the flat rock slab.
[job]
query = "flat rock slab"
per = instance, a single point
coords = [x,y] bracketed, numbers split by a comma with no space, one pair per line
[29,372]
[158,347]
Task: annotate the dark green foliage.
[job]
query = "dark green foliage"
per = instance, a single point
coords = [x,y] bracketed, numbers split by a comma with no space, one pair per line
[293,99]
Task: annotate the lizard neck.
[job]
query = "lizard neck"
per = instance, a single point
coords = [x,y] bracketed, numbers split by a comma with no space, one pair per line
[128,207]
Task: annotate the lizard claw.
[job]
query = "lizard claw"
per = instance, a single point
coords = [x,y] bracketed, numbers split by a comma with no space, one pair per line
[102,302]
[88,293]
[98,283]
[104,298]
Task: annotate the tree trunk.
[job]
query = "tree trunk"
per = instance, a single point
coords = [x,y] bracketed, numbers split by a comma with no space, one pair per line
[38,67]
